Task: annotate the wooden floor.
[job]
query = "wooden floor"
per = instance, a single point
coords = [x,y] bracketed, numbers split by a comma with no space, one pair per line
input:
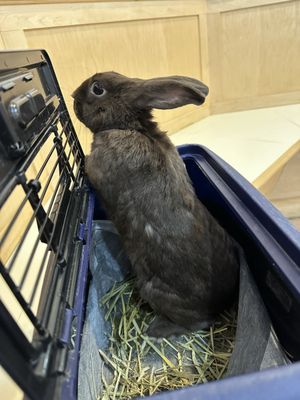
[285,193]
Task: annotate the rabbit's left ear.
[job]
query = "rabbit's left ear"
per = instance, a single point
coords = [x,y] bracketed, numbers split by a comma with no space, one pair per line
[171,92]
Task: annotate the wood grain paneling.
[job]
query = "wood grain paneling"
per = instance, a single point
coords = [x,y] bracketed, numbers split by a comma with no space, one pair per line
[285,192]
[255,56]
[155,47]
[2,45]
[261,60]
[253,102]
[229,5]
[212,6]
[264,181]
[288,183]
[14,39]
[18,2]
[68,14]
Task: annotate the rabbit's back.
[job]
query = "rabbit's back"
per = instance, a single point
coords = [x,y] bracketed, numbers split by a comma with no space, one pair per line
[175,246]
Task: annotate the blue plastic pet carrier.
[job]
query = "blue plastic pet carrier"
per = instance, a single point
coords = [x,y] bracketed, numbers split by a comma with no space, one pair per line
[47,209]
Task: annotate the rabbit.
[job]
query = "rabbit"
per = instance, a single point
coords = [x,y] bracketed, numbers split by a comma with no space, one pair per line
[186,265]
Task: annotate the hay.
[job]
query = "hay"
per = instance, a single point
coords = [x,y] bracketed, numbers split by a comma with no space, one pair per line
[140,366]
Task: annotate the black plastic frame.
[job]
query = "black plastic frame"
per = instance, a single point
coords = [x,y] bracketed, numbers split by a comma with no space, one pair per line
[40,366]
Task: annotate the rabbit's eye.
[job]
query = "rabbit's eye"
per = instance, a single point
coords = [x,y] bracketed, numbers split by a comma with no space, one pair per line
[97,89]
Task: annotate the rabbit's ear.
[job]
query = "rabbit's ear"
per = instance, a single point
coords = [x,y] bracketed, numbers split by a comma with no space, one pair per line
[171,92]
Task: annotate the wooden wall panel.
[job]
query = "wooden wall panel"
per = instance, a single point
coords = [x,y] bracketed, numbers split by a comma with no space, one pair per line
[261,49]
[2,45]
[54,15]
[146,48]
[14,39]
[16,2]
[229,5]
[255,56]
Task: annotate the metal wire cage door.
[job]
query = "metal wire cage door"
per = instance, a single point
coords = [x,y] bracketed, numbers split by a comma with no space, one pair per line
[44,209]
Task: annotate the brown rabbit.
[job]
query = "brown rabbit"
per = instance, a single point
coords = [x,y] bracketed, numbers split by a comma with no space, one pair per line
[185,263]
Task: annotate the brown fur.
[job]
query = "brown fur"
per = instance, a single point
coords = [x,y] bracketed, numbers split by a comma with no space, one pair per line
[186,264]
